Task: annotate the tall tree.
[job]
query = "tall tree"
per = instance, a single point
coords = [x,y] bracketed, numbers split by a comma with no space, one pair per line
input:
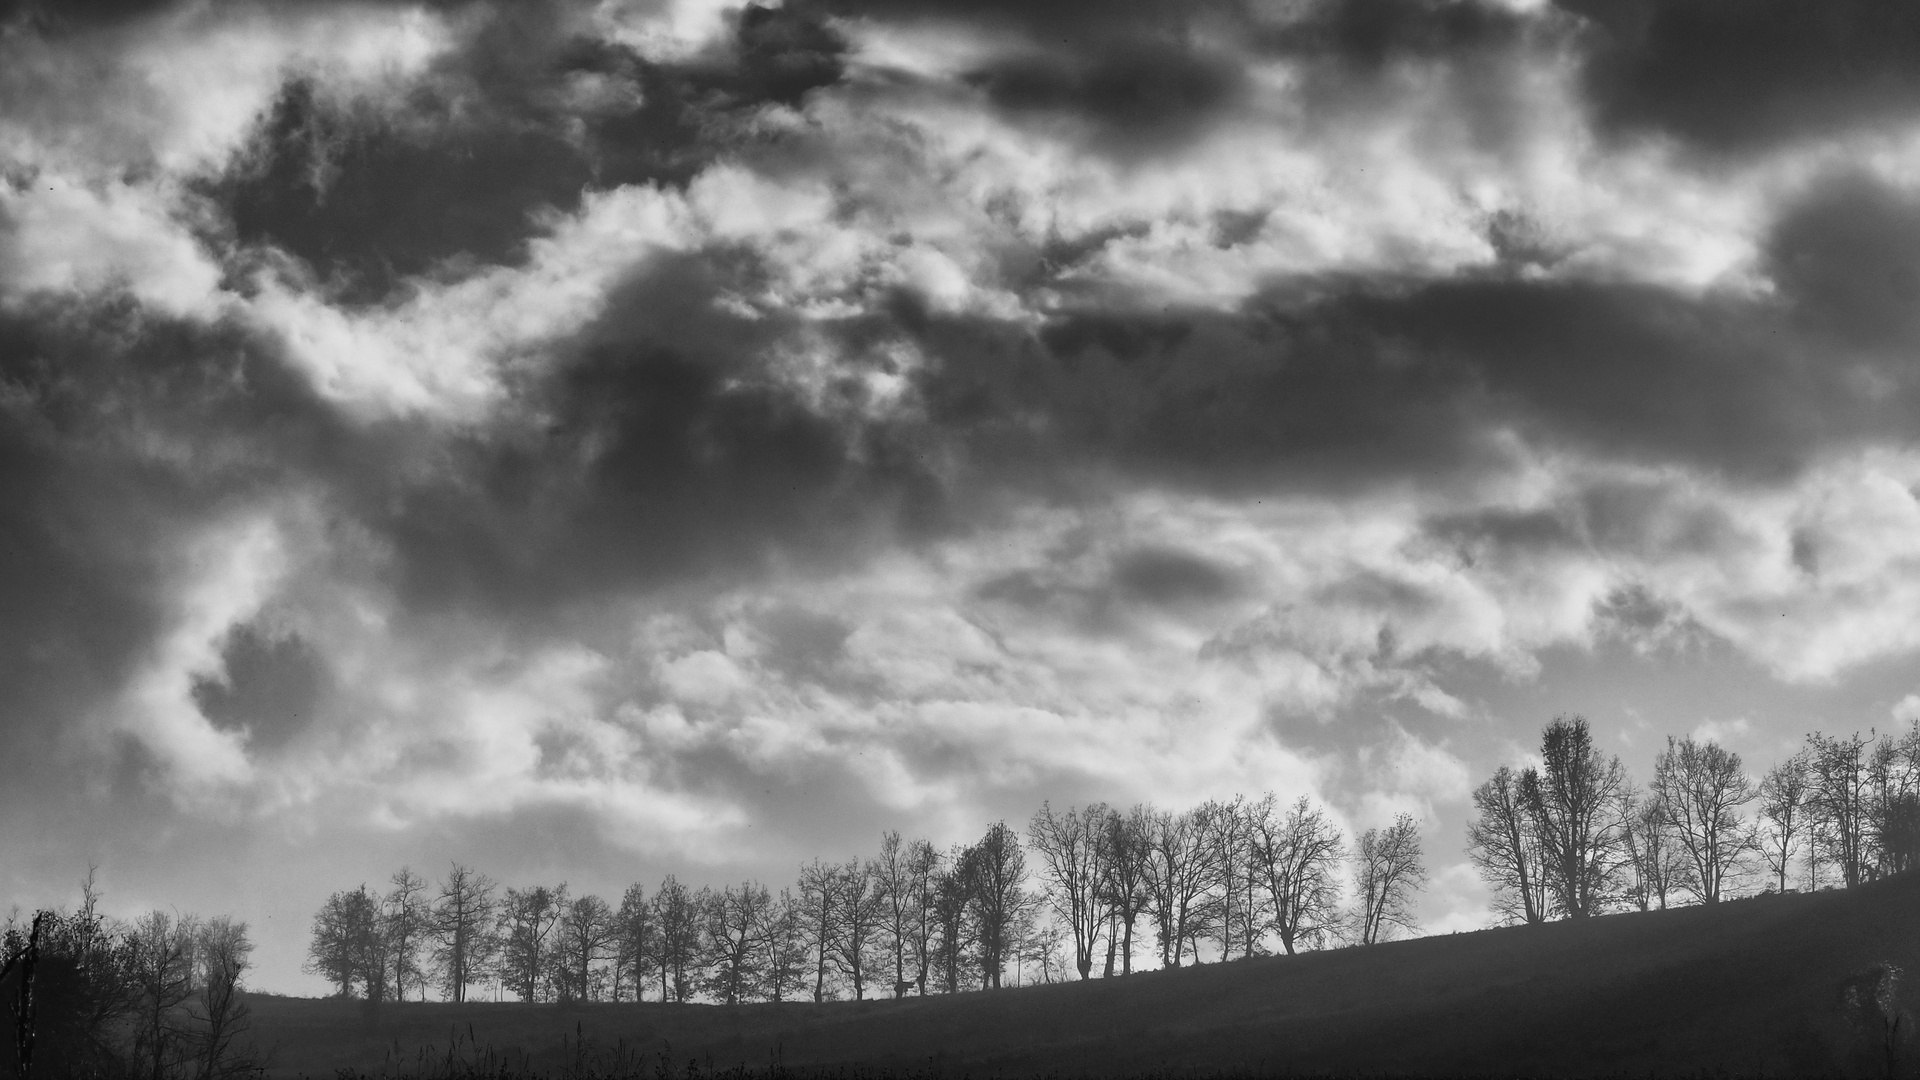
[527,920]
[1653,855]
[1123,889]
[736,919]
[1840,801]
[1229,839]
[1701,787]
[952,906]
[586,935]
[1505,848]
[996,872]
[1298,856]
[782,948]
[1178,874]
[677,911]
[1784,793]
[406,918]
[462,924]
[160,969]
[820,894]
[1073,858]
[1578,807]
[348,947]
[859,904]
[1387,872]
[894,881]
[1893,774]
[635,941]
[221,1013]
[923,862]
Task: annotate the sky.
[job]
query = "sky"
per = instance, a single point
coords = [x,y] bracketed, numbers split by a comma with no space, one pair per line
[596,439]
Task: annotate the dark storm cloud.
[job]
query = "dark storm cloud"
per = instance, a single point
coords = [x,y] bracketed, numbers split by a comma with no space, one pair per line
[273,686]
[526,117]
[1740,75]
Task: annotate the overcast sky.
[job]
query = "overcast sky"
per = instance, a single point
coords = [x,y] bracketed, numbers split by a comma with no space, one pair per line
[591,440]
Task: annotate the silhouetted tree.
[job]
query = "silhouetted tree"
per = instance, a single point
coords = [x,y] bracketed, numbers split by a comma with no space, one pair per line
[405,922]
[1784,792]
[1229,839]
[220,1013]
[462,924]
[1073,858]
[1894,809]
[677,912]
[1178,873]
[952,903]
[736,922]
[782,948]
[1578,808]
[1840,801]
[160,965]
[995,870]
[1123,889]
[1298,856]
[636,940]
[923,862]
[527,921]
[894,881]
[1654,857]
[1701,788]
[585,936]
[819,895]
[1387,873]
[348,946]
[1505,848]
[859,904]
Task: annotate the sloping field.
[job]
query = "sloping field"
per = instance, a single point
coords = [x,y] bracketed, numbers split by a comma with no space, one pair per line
[1751,987]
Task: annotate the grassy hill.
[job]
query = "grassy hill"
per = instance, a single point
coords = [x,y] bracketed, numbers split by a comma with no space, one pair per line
[1750,987]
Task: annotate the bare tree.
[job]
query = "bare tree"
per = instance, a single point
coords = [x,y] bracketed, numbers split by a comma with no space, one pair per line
[859,904]
[1653,855]
[677,912]
[952,903]
[1701,787]
[635,940]
[462,923]
[1178,873]
[736,920]
[221,1013]
[1073,856]
[1784,793]
[894,880]
[923,862]
[160,974]
[995,870]
[527,919]
[586,934]
[1229,840]
[1298,856]
[1504,847]
[782,945]
[1840,801]
[1124,888]
[820,896]
[1387,872]
[1894,803]
[406,919]
[1578,808]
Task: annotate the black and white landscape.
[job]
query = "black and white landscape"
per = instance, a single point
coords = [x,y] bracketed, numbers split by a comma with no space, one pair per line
[563,501]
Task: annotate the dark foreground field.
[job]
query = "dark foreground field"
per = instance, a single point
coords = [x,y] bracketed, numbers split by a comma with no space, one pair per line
[1752,987]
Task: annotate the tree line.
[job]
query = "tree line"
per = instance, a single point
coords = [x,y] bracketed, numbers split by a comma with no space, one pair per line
[158,997]
[1575,836]
[1229,879]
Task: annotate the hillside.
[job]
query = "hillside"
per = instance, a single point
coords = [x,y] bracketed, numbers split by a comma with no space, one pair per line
[1750,987]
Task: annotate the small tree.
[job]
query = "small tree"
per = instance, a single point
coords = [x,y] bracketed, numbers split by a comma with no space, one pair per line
[1653,856]
[1387,874]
